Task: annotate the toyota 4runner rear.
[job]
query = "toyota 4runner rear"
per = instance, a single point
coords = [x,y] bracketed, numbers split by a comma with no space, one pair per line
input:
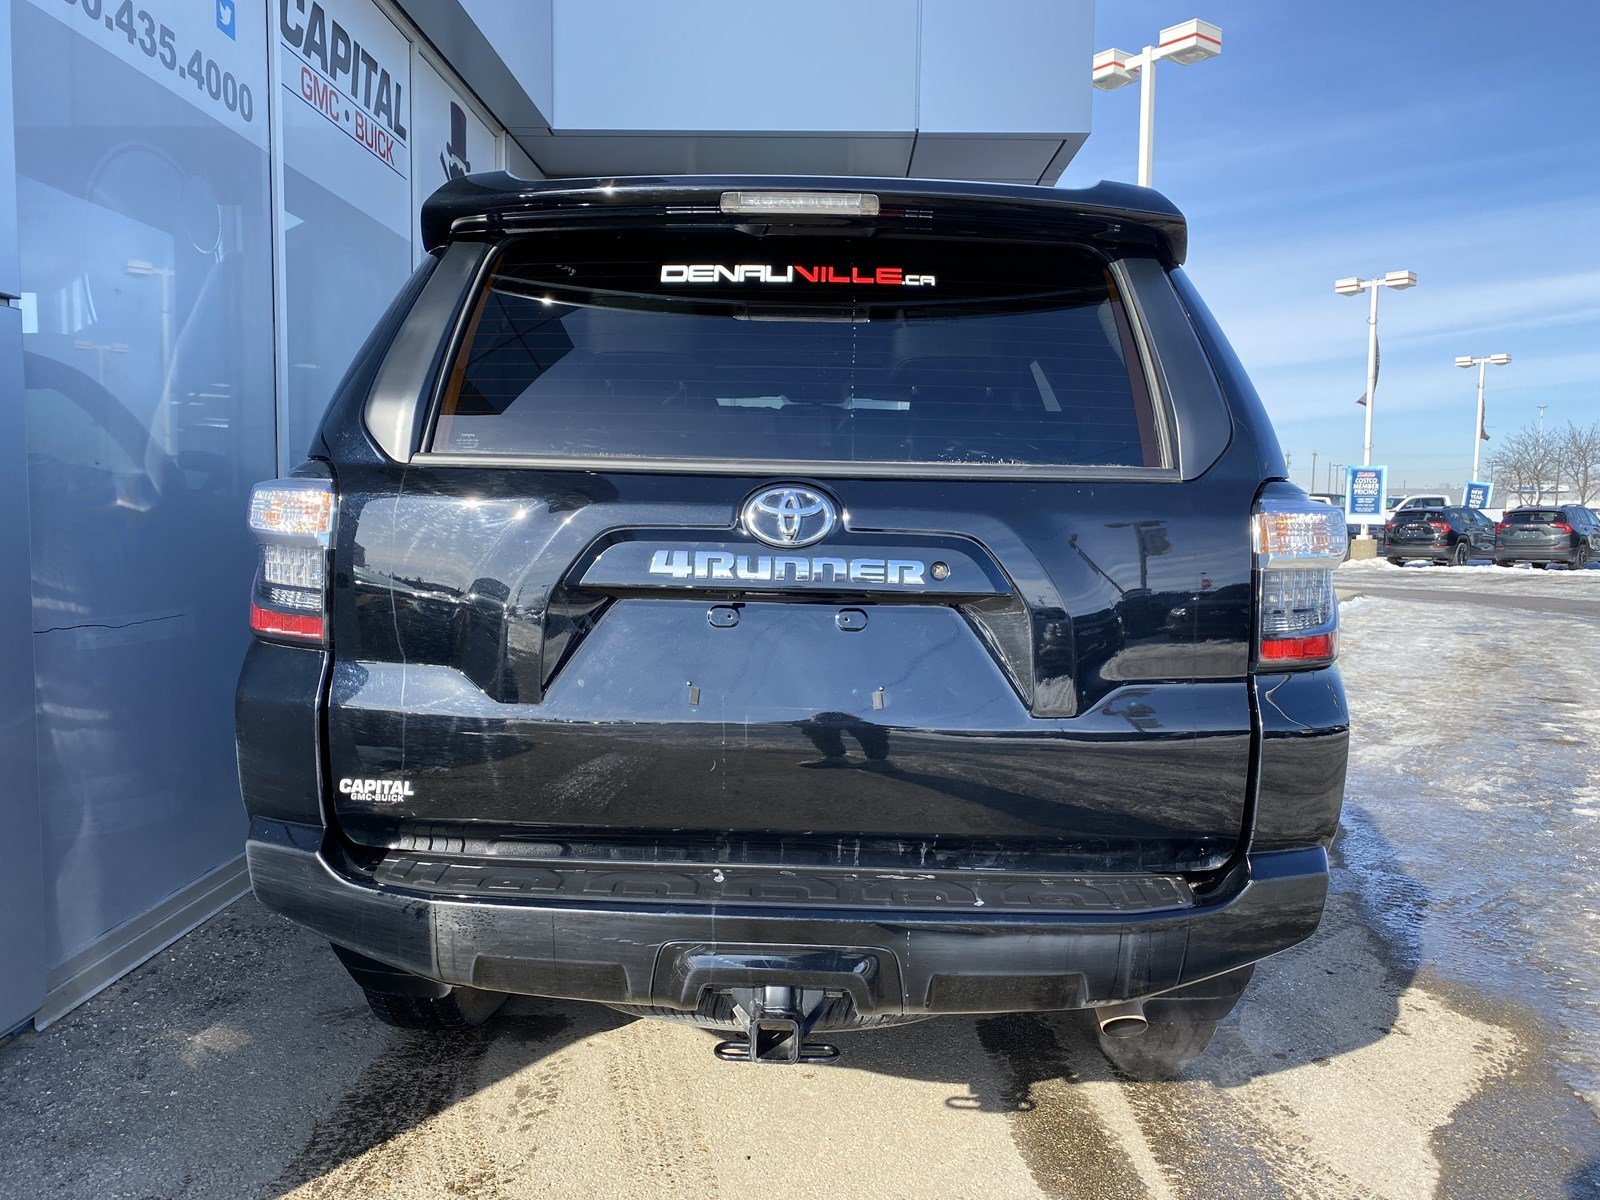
[797,605]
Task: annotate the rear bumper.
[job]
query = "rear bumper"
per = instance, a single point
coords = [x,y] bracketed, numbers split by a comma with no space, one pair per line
[900,961]
[1560,554]
[1417,550]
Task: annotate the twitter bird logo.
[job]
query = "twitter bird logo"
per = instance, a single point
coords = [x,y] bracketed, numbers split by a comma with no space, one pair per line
[225,17]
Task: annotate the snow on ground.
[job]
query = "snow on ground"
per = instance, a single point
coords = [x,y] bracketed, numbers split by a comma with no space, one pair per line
[1480,576]
[1472,815]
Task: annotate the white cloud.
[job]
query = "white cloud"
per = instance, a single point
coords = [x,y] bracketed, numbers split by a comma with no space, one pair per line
[1306,331]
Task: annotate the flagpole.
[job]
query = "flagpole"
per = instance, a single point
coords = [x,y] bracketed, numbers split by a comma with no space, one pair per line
[1354,285]
[1372,373]
[1482,362]
[1477,434]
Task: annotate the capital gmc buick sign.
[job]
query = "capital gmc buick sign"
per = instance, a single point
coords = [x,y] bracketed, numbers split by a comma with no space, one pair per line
[356,82]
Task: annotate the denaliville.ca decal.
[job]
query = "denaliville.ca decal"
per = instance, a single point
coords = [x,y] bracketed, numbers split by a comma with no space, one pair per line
[766,273]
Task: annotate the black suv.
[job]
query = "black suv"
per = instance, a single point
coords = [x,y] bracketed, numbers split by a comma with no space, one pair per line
[788,605]
[1541,535]
[1451,536]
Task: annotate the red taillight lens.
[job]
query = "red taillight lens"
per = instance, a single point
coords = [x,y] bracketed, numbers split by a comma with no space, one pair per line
[1502,527]
[281,624]
[1319,647]
[293,521]
[1560,526]
[1439,527]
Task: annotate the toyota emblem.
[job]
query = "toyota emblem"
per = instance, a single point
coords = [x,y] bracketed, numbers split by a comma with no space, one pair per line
[789,516]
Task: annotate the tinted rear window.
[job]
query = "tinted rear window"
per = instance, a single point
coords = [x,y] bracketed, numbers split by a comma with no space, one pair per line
[1407,516]
[720,345]
[1536,516]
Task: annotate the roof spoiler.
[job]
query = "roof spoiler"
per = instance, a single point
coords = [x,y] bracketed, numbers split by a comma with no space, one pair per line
[493,203]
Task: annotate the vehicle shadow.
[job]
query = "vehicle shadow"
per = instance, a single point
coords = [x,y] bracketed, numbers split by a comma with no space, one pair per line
[252,1015]
[1328,997]
[1336,993]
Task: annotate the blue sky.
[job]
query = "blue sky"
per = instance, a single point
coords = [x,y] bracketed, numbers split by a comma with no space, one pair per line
[1364,137]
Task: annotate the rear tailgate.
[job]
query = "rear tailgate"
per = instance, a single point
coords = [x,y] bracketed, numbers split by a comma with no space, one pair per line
[1535,528]
[1417,528]
[530,651]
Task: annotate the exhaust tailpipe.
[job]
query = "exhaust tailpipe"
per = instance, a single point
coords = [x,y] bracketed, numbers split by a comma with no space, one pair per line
[1125,1020]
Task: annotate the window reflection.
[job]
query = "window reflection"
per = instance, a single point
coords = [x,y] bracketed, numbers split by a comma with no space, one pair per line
[148,399]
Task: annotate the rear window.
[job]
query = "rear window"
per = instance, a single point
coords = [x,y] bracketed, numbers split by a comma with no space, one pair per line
[718,345]
[1536,516]
[1410,515]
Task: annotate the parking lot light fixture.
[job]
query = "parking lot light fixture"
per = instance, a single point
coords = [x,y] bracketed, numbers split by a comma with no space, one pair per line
[1482,362]
[1184,43]
[1354,286]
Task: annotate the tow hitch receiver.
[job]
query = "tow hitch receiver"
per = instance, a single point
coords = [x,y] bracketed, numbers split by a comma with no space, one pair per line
[777,1020]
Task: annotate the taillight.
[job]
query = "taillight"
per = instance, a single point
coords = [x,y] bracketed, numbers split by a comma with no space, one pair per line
[1439,527]
[1502,527]
[1560,526]
[1297,543]
[293,520]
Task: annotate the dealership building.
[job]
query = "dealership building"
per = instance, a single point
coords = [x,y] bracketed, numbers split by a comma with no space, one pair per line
[204,206]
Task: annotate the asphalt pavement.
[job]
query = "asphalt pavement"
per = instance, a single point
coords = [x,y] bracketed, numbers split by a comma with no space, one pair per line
[242,1063]
[1402,1052]
[1521,588]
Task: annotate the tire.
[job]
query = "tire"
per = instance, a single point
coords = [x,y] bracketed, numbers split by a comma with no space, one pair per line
[1181,1025]
[407,1001]
[1502,562]
[1460,557]
[1580,560]
[1540,566]
[457,1011]
[1397,562]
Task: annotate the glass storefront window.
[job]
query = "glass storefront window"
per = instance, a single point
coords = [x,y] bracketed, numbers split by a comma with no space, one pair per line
[143,204]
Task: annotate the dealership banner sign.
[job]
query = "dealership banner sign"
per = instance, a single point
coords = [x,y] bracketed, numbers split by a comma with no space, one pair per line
[1365,494]
[1477,495]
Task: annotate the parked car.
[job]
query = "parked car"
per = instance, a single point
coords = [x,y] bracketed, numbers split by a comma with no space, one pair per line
[1545,534]
[1450,536]
[1407,503]
[791,605]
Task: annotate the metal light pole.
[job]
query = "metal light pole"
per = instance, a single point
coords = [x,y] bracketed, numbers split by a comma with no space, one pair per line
[1482,363]
[1190,42]
[1399,281]
[1313,468]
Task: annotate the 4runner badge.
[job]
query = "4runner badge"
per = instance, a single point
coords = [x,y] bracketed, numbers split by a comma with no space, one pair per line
[380,791]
